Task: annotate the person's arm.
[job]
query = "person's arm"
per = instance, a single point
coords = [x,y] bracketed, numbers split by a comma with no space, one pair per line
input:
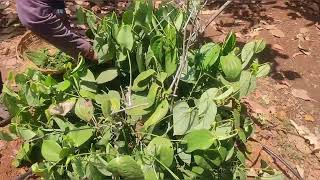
[40,18]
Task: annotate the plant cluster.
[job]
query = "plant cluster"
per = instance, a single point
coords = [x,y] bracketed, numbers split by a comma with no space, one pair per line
[126,122]
[44,59]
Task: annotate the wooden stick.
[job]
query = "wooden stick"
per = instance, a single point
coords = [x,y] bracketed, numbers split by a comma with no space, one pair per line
[215,16]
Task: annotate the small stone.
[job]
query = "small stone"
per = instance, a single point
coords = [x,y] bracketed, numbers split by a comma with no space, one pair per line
[282,115]
[5,51]
[308,117]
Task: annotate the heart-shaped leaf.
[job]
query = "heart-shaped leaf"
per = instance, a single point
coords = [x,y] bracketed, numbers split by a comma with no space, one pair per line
[142,80]
[160,112]
[125,167]
[107,76]
[80,135]
[198,140]
[184,118]
[84,109]
[125,37]
[50,150]
[162,149]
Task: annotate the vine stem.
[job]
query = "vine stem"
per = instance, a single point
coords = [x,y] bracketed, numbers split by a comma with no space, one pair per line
[129,88]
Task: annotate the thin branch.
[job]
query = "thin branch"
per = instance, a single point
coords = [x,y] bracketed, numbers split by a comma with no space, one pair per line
[215,16]
[274,155]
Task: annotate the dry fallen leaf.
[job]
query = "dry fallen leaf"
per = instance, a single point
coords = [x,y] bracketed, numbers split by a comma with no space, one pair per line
[297,54]
[300,170]
[277,33]
[282,115]
[269,27]
[62,109]
[308,117]
[278,47]
[304,30]
[304,50]
[307,135]
[256,110]
[302,94]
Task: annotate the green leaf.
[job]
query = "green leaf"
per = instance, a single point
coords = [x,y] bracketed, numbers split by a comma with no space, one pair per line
[84,109]
[211,56]
[88,76]
[209,115]
[184,118]
[231,66]
[171,35]
[260,45]
[106,106]
[125,167]
[102,165]
[92,172]
[247,83]
[80,135]
[80,15]
[156,45]
[50,150]
[32,97]
[87,94]
[25,133]
[247,53]
[250,49]
[150,173]
[211,158]
[229,43]
[142,80]
[22,154]
[171,60]
[224,131]
[105,52]
[6,136]
[161,77]
[162,149]
[107,76]
[140,58]
[115,98]
[139,104]
[91,20]
[225,94]
[179,21]
[89,86]
[78,166]
[263,70]
[63,86]
[160,112]
[125,37]
[198,140]
[208,95]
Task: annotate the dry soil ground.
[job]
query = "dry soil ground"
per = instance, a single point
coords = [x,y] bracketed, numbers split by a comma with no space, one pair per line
[285,106]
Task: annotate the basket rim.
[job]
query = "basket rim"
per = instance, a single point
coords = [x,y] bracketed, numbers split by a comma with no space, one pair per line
[27,61]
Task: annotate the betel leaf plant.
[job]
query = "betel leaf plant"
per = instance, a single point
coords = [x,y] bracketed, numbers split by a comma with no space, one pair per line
[125,122]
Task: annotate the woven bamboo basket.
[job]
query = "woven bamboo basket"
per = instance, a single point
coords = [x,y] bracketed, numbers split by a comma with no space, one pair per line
[32,42]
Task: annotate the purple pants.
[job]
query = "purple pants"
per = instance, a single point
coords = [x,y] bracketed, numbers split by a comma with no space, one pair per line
[39,16]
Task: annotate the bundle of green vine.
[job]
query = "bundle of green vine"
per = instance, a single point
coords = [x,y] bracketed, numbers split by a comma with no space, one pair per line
[150,116]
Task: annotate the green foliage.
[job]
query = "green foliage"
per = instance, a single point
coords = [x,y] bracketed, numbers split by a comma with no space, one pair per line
[43,59]
[123,122]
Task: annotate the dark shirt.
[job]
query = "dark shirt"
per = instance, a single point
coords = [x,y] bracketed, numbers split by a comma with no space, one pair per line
[39,16]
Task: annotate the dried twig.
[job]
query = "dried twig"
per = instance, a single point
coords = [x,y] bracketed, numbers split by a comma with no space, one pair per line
[215,16]
[274,155]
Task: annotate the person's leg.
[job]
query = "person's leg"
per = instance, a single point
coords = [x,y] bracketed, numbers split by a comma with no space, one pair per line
[41,19]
